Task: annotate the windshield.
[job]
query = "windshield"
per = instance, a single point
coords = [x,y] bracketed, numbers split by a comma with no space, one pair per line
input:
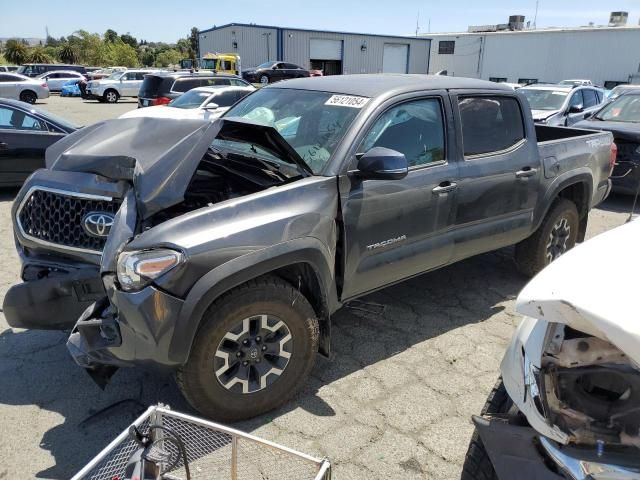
[544,99]
[313,123]
[617,91]
[624,109]
[191,99]
[115,76]
[266,65]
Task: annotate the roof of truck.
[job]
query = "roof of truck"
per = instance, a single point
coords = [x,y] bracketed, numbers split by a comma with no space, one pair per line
[373,85]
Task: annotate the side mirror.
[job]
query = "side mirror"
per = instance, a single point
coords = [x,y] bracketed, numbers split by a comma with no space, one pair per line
[576,109]
[381,163]
[588,115]
[211,106]
[275,67]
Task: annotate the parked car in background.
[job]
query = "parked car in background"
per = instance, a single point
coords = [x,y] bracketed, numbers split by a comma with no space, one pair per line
[206,103]
[117,85]
[103,72]
[315,73]
[72,88]
[25,133]
[37,69]
[576,82]
[8,68]
[274,71]
[233,243]
[622,118]
[561,105]
[621,90]
[160,88]
[55,79]
[19,87]
[566,405]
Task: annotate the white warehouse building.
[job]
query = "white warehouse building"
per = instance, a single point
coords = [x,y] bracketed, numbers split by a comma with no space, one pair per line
[332,52]
[606,55]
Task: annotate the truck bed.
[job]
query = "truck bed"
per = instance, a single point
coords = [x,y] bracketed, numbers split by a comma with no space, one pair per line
[564,150]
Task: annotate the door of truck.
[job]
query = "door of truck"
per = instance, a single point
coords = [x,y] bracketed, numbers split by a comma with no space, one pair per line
[394,229]
[499,172]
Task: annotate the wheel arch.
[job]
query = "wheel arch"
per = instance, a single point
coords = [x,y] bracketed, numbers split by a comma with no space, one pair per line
[578,189]
[305,263]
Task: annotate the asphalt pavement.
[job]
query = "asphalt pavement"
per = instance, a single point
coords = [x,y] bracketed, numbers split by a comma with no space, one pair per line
[411,364]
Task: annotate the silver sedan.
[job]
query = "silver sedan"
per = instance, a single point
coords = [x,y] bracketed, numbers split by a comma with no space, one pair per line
[57,78]
[19,87]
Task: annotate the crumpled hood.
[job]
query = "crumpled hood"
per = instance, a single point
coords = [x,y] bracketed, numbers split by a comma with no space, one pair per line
[592,289]
[158,155]
[621,130]
[542,114]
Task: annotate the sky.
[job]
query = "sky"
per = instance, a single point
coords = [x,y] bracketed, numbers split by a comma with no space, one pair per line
[164,20]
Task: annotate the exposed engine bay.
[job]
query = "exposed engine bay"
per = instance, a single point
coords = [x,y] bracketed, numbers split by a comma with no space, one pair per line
[220,177]
[592,389]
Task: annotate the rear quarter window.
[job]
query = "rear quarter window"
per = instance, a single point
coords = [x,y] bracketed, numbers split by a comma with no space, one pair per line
[213,82]
[490,124]
[186,84]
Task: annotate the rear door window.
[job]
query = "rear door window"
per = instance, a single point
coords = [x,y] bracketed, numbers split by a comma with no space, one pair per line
[186,84]
[18,120]
[214,82]
[490,124]
[590,98]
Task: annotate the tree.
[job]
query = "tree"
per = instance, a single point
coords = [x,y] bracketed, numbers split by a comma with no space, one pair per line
[129,40]
[15,51]
[148,57]
[121,54]
[168,57]
[110,36]
[194,39]
[52,42]
[38,55]
[184,46]
[67,53]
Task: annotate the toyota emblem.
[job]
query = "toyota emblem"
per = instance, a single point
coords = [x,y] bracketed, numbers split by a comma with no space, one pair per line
[98,224]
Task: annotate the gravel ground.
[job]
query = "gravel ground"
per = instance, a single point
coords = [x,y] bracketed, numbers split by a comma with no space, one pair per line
[411,364]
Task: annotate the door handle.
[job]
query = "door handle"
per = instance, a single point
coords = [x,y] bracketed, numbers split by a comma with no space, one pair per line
[4,146]
[445,187]
[526,172]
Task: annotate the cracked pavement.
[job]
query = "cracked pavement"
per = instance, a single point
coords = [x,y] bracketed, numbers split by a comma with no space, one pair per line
[410,365]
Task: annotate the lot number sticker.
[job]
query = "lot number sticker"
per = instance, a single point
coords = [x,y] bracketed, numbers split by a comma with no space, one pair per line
[347,101]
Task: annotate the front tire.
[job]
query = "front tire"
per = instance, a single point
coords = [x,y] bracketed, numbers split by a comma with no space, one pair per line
[254,350]
[556,235]
[477,464]
[111,96]
[28,96]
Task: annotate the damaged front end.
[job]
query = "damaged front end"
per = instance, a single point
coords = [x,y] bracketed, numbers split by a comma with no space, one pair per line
[121,197]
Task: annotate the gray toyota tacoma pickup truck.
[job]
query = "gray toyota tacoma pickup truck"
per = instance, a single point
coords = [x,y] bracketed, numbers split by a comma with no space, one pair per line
[220,250]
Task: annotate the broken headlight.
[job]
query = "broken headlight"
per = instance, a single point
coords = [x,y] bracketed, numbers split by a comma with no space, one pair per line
[139,268]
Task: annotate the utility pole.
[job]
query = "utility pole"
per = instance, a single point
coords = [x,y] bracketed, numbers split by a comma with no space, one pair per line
[429,26]
[535,17]
[418,23]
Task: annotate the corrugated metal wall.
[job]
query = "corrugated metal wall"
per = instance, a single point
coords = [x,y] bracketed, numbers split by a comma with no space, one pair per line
[252,43]
[252,47]
[296,50]
[598,55]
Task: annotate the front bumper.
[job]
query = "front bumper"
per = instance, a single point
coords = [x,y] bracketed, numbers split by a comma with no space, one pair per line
[520,452]
[133,328]
[52,302]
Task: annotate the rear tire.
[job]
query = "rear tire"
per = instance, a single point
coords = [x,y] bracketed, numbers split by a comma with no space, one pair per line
[262,325]
[556,235]
[110,96]
[264,80]
[28,96]
[477,464]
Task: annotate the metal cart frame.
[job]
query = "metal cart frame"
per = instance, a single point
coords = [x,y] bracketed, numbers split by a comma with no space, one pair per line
[204,440]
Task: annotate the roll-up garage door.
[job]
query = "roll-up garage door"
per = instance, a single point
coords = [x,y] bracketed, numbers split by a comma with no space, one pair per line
[395,57]
[321,49]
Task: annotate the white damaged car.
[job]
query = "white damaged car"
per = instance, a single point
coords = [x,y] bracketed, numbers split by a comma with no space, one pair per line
[568,403]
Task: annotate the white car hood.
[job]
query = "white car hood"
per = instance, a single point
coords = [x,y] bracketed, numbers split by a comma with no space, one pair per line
[592,289]
[162,111]
[542,114]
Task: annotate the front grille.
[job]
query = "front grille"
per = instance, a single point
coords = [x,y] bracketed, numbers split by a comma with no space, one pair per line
[55,217]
